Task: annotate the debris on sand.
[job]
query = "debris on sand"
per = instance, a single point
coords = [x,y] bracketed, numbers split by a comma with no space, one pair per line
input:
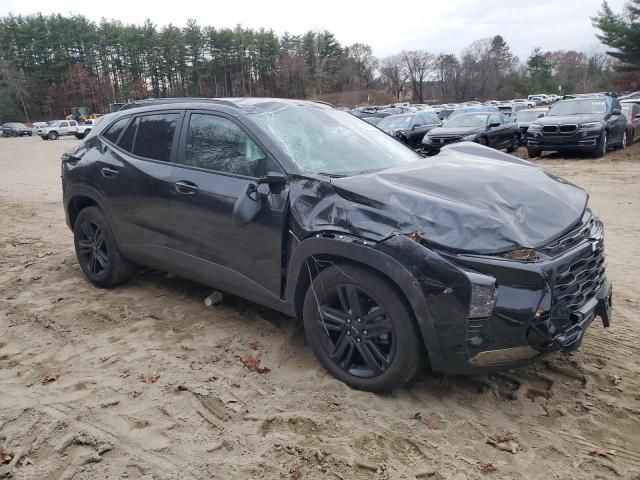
[149,378]
[253,364]
[52,376]
[506,442]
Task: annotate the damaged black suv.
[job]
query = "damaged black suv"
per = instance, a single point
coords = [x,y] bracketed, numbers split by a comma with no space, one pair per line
[473,259]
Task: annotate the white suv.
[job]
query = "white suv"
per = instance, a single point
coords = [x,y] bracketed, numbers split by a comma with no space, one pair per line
[58,128]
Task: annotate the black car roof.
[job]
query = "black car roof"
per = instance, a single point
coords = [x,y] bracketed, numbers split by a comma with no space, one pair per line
[245,104]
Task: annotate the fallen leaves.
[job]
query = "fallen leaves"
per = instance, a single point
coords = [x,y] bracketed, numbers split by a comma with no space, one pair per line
[296,472]
[4,456]
[149,378]
[431,423]
[253,364]
[255,345]
[603,453]
[506,442]
[135,394]
[52,376]
[487,468]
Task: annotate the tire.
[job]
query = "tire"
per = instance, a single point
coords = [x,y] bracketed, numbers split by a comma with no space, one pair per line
[97,251]
[53,135]
[515,144]
[623,142]
[533,152]
[604,145]
[482,141]
[30,134]
[363,361]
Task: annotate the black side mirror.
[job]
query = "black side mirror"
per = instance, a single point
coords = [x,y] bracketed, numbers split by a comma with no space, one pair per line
[616,111]
[273,179]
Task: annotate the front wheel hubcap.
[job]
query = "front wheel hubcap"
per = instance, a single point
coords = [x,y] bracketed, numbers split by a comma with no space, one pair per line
[92,248]
[364,347]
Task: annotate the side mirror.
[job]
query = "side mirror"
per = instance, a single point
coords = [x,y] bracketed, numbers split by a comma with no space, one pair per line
[273,179]
[616,111]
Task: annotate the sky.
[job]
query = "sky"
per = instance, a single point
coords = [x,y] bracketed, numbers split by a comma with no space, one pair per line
[388,26]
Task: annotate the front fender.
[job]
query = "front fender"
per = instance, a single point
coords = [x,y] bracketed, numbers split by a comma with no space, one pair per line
[380,257]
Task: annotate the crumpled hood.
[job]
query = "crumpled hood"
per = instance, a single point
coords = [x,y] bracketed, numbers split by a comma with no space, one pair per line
[468,198]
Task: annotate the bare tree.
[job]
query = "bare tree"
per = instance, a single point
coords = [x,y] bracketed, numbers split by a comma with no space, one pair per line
[392,73]
[417,64]
[364,61]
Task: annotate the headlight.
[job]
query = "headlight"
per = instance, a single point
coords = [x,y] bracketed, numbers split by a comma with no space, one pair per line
[468,138]
[590,125]
[534,127]
[483,295]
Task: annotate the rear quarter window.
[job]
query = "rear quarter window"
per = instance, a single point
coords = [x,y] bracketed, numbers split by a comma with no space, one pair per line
[154,138]
[113,132]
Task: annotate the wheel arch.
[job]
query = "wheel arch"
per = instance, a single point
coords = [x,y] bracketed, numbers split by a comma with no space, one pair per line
[314,254]
[77,197]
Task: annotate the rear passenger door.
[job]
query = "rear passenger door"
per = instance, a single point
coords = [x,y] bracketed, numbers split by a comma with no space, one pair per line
[63,128]
[134,174]
[218,160]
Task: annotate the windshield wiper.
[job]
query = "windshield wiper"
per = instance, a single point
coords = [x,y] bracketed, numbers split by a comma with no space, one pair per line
[332,175]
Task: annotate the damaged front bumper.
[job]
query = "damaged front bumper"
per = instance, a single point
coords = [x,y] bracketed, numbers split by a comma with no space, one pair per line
[541,306]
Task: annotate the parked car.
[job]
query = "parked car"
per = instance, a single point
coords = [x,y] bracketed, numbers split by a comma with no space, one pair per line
[409,128]
[476,259]
[525,117]
[525,101]
[84,128]
[14,129]
[485,128]
[585,124]
[58,128]
[630,96]
[631,109]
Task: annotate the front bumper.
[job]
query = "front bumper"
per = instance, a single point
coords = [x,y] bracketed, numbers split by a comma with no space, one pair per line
[581,140]
[541,307]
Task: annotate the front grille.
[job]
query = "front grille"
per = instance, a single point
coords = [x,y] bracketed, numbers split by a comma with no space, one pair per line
[568,128]
[589,227]
[444,140]
[577,282]
[550,129]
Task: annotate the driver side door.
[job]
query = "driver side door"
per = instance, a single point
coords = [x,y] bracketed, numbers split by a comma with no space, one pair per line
[218,161]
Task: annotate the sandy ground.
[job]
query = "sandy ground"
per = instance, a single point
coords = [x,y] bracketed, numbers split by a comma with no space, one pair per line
[145,382]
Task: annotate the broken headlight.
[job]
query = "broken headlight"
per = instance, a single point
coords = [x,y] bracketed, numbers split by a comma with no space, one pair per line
[534,127]
[483,295]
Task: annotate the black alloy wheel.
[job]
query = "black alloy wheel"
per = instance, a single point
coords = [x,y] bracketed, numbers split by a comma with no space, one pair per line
[482,141]
[361,329]
[92,249]
[359,335]
[515,144]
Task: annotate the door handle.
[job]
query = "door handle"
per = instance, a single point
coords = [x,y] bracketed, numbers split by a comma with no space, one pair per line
[185,187]
[108,172]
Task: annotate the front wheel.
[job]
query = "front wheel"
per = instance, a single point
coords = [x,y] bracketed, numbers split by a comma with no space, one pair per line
[533,152]
[482,141]
[604,145]
[515,144]
[361,330]
[53,135]
[623,143]
[97,251]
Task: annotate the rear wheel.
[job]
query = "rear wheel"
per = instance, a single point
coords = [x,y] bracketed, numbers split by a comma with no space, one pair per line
[97,251]
[361,330]
[623,142]
[53,135]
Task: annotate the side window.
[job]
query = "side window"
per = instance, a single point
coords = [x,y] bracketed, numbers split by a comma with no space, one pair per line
[113,132]
[154,136]
[496,118]
[129,135]
[218,144]
[73,123]
[64,124]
